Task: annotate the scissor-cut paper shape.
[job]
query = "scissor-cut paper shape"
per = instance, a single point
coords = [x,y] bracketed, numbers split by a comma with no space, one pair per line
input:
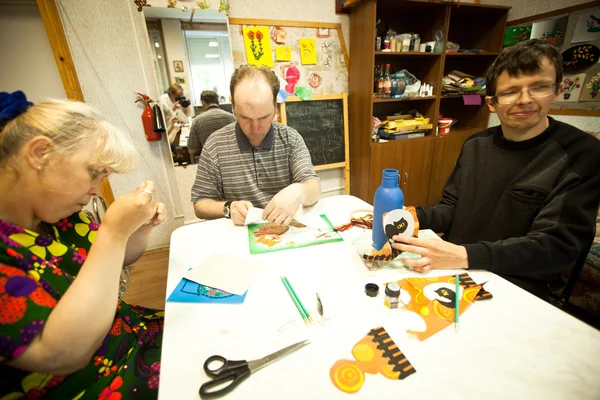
[375,353]
[191,292]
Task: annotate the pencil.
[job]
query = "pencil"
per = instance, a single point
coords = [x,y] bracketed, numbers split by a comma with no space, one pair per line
[298,299]
[456,302]
[294,300]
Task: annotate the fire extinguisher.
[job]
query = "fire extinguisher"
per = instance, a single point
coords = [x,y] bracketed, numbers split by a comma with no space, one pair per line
[152,120]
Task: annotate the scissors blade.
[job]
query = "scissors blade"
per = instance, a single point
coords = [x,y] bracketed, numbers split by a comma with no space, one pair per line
[263,362]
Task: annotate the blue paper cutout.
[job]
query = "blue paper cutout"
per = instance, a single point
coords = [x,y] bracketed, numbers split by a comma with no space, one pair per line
[191,292]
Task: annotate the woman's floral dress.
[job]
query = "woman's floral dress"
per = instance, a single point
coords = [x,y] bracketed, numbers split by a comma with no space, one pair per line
[35,271]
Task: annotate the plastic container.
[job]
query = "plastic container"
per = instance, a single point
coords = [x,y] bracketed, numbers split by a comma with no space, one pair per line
[392,295]
[444,126]
[388,197]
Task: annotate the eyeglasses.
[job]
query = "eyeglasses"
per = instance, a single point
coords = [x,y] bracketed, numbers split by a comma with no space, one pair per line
[510,97]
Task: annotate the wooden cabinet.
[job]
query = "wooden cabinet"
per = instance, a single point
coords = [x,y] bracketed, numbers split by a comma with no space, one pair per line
[425,163]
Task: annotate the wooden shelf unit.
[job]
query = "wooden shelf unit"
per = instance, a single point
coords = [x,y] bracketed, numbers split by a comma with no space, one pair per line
[424,163]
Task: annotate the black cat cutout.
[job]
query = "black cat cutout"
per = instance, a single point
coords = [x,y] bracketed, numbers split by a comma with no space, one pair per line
[397,228]
[448,295]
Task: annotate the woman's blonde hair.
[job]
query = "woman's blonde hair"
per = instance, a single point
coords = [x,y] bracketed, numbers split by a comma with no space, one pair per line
[71,125]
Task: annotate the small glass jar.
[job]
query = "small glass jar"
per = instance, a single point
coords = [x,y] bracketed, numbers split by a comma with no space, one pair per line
[392,295]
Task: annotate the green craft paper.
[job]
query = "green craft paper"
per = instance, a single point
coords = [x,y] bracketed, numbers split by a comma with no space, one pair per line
[303,92]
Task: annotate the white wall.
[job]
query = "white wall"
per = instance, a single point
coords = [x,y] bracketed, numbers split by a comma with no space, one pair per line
[175,50]
[27,61]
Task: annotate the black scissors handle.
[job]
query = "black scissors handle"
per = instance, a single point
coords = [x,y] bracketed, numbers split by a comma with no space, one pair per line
[227,377]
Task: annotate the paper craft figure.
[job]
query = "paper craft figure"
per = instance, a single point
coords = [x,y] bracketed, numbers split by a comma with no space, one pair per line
[224,7]
[587,28]
[191,292]
[283,53]
[433,299]
[291,74]
[591,88]
[394,225]
[375,353]
[269,237]
[570,88]
[308,51]
[258,45]
[278,34]
[303,92]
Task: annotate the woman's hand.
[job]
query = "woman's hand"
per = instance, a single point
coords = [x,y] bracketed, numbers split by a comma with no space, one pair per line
[128,213]
[435,254]
[160,216]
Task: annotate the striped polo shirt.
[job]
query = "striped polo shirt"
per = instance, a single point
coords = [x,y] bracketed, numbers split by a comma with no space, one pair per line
[231,169]
[206,123]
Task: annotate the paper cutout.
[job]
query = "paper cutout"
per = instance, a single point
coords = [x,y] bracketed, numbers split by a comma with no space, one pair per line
[218,269]
[591,87]
[278,35]
[282,96]
[203,4]
[570,88]
[308,51]
[375,353]
[258,46]
[587,28]
[269,237]
[283,53]
[433,300]
[303,92]
[323,33]
[580,57]
[291,74]
[192,292]
[516,35]
[224,6]
[398,222]
[314,80]
[254,216]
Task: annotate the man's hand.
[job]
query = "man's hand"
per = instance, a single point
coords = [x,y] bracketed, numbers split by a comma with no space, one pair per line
[436,254]
[238,211]
[284,205]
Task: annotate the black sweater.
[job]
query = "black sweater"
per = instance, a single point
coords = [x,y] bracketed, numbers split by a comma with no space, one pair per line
[523,210]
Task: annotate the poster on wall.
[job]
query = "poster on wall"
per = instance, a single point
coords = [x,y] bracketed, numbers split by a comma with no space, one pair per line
[570,88]
[552,30]
[258,46]
[516,34]
[591,88]
[308,51]
[587,28]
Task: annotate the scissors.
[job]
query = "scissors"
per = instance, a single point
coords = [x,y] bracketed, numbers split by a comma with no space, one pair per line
[231,373]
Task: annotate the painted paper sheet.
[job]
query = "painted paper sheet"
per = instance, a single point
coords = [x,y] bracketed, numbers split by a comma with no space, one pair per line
[191,292]
[571,87]
[591,88]
[516,34]
[551,30]
[258,46]
[269,237]
[283,53]
[587,28]
[308,51]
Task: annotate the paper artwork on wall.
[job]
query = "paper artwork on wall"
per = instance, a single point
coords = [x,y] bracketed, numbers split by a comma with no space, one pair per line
[591,88]
[308,51]
[323,33]
[258,46]
[552,30]
[516,34]
[587,28]
[580,57]
[224,7]
[203,4]
[283,53]
[278,35]
[570,88]
[291,74]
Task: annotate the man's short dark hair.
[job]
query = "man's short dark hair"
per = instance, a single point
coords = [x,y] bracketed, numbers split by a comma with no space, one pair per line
[248,71]
[525,58]
[209,97]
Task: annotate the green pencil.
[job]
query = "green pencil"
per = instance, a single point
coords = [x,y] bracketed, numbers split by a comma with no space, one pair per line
[456,302]
[294,300]
[298,299]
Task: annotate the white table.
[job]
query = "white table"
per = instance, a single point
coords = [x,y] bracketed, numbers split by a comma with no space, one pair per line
[514,346]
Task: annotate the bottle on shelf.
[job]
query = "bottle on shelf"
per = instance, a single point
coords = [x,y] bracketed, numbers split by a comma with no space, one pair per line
[380,90]
[375,83]
[387,83]
[416,42]
[388,197]
[401,82]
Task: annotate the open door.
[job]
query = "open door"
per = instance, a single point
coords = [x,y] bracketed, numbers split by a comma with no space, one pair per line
[66,68]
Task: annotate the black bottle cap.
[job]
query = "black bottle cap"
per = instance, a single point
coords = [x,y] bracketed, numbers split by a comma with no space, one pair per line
[371,289]
[392,289]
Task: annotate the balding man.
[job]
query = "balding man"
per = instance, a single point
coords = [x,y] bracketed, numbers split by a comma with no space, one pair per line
[254,162]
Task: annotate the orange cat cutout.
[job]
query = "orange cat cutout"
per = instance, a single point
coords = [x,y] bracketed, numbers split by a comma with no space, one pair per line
[375,353]
[437,313]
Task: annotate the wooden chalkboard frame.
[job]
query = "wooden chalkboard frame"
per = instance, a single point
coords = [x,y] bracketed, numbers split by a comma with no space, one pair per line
[346,163]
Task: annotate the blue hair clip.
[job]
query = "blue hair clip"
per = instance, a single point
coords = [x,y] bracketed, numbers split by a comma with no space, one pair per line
[12,105]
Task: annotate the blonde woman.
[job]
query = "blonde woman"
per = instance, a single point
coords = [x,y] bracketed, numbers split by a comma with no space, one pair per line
[64,334]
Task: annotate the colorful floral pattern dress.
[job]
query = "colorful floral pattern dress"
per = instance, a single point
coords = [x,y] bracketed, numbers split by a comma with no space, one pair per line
[35,272]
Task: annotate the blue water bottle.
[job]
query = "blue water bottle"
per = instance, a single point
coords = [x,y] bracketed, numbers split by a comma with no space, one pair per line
[388,197]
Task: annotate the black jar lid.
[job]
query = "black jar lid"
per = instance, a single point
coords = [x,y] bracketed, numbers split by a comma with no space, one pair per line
[392,289]
[371,289]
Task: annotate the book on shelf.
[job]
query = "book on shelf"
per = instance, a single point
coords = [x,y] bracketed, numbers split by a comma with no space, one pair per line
[401,136]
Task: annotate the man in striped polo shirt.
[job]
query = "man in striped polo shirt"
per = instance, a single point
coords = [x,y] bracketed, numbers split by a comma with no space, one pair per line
[254,162]
[211,120]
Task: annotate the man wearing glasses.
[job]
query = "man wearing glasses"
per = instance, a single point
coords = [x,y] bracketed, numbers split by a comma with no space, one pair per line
[523,197]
